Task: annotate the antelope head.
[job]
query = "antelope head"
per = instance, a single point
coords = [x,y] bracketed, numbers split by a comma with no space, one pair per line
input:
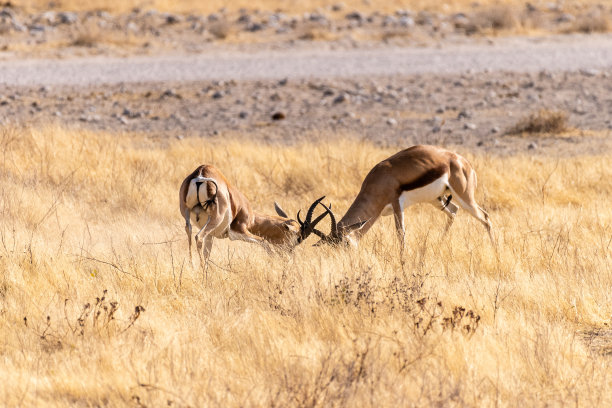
[339,234]
[306,227]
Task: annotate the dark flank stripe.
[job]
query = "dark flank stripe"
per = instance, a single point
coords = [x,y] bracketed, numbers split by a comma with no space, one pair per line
[424,179]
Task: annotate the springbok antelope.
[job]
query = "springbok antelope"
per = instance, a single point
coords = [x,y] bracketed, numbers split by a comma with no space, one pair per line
[419,174]
[220,210]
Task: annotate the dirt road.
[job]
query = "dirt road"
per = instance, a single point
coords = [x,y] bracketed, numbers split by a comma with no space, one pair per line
[567,53]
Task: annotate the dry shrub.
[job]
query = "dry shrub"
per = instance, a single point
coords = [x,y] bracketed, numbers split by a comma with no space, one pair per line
[314,32]
[392,34]
[594,23]
[85,40]
[91,321]
[543,121]
[498,17]
[220,29]
[88,36]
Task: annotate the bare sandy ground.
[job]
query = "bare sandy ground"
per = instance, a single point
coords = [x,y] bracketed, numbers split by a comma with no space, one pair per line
[455,95]
[560,53]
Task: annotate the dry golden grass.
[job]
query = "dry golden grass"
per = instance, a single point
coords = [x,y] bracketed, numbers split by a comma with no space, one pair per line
[287,6]
[83,212]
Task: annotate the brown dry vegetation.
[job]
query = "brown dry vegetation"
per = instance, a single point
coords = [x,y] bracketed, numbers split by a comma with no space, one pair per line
[589,24]
[543,121]
[84,212]
[287,6]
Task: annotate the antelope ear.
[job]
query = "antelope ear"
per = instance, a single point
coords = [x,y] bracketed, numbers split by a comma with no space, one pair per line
[356,226]
[280,211]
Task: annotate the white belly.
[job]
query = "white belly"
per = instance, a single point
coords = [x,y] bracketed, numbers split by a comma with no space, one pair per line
[425,194]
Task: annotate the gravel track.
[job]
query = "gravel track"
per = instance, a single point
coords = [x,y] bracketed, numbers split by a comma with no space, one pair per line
[561,53]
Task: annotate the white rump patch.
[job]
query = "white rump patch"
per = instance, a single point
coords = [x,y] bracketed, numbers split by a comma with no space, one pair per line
[192,198]
[425,194]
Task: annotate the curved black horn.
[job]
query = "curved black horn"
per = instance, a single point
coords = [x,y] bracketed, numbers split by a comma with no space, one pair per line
[311,210]
[307,227]
[216,188]
[299,219]
[334,225]
[314,223]
[212,199]
[319,234]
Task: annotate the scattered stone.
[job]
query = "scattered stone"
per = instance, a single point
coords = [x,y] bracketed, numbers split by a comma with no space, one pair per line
[37,28]
[566,18]
[283,82]
[278,116]
[328,92]
[172,19]
[355,16]
[341,98]
[244,18]
[406,21]
[461,21]
[243,115]
[48,17]
[464,114]
[7,12]
[528,84]
[170,93]
[437,123]
[424,18]
[469,126]
[68,18]
[589,72]
[217,95]
[254,27]
[338,7]
[389,21]
[90,118]
[495,129]
[317,17]
[391,122]
[533,97]
[532,146]
[131,114]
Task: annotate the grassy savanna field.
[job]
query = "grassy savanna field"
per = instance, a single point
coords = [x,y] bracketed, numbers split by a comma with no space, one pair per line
[92,219]
[287,6]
